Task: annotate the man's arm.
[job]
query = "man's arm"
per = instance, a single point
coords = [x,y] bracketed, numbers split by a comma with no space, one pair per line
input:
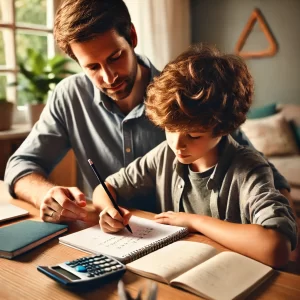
[28,168]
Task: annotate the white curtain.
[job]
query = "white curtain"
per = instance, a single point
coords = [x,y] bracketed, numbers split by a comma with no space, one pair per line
[163,28]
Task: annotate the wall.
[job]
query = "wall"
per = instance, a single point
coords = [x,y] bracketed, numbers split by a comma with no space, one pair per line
[277,78]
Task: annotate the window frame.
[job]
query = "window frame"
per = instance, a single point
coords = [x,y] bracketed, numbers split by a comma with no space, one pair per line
[9,27]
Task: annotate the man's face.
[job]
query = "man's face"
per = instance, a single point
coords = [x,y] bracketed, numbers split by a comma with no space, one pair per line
[190,147]
[110,62]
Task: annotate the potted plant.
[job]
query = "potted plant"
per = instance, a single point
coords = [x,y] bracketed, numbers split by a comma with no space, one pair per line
[6,114]
[38,77]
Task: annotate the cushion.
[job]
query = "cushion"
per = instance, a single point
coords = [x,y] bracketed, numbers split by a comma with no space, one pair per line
[291,113]
[271,135]
[262,112]
[289,167]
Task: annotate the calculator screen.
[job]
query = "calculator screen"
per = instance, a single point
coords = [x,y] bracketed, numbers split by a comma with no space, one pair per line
[65,273]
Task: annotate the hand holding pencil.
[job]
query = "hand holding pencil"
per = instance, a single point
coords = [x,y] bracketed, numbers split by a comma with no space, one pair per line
[123,212]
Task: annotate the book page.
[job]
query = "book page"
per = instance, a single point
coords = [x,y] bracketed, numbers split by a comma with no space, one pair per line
[172,260]
[144,233]
[225,276]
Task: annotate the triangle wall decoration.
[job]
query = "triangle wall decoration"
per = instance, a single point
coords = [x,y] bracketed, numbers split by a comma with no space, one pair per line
[256,16]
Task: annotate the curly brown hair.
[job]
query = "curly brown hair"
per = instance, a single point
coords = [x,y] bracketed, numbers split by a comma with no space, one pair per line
[202,89]
[82,20]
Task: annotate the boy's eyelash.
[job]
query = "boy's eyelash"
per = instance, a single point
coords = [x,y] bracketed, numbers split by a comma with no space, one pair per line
[94,68]
[194,137]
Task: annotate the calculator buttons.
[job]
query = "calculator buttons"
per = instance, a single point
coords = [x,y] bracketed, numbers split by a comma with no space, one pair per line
[81,269]
[95,266]
[107,269]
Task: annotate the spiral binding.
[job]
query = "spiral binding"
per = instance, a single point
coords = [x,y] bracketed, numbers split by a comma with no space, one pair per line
[154,246]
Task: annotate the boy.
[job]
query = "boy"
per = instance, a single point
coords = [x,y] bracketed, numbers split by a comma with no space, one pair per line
[203,179]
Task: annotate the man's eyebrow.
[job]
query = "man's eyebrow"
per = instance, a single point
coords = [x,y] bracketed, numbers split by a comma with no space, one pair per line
[114,52]
[95,63]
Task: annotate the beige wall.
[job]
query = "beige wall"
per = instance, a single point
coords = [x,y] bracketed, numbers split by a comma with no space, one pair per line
[277,79]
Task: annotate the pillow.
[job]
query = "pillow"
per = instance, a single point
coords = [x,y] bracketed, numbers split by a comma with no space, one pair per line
[271,135]
[262,112]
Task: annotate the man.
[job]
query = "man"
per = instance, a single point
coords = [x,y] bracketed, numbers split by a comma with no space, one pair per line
[99,114]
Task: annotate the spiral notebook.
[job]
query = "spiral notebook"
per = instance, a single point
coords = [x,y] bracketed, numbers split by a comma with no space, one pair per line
[147,237]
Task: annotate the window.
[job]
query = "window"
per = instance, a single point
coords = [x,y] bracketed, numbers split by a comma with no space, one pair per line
[23,24]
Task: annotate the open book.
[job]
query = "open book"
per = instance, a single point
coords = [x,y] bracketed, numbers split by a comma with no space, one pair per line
[147,236]
[200,269]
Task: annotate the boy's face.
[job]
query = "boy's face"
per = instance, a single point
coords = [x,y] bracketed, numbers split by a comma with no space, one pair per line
[110,62]
[194,147]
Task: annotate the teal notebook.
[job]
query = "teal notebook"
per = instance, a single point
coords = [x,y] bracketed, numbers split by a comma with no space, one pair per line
[23,236]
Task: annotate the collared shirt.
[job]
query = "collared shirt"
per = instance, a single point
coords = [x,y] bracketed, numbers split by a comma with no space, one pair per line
[241,185]
[80,117]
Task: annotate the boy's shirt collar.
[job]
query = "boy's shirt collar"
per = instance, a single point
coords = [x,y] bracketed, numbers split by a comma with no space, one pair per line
[228,150]
[229,147]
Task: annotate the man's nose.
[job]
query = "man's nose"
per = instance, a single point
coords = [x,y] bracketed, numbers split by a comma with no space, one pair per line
[108,75]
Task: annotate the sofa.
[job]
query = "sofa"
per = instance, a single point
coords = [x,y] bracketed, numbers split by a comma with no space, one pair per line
[275,131]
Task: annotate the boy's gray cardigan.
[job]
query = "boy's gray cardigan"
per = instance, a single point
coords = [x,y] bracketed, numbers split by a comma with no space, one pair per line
[242,186]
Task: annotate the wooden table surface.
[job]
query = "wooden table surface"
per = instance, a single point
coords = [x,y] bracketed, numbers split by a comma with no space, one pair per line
[19,278]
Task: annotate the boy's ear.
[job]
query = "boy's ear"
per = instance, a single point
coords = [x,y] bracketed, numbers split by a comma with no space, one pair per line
[133,36]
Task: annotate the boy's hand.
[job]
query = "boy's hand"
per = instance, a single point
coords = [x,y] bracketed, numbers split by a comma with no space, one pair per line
[111,221]
[176,219]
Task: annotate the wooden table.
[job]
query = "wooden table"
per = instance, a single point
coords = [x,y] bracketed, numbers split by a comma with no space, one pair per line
[19,278]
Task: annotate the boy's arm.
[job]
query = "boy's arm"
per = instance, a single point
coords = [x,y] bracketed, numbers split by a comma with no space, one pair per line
[272,232]
[266,245]
[137,178]
[110,219]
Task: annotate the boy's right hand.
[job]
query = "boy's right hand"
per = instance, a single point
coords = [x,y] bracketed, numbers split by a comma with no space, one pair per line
[111,221]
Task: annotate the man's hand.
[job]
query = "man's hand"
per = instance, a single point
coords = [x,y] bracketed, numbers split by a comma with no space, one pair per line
[111,221]
[62,204]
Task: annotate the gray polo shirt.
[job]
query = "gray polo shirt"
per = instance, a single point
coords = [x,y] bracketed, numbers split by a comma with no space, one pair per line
[241,187]
[80,117]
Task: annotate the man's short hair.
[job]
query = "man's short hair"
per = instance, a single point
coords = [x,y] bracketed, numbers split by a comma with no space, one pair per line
[201,90]
[82,20]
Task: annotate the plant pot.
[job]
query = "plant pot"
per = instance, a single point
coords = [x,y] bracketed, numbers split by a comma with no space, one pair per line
[34,112]
[6,114]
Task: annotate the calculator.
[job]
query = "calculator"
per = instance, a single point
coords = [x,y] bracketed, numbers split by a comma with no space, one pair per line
[96,269]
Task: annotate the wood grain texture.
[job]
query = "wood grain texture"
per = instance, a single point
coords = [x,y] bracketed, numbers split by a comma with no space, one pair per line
[20,279]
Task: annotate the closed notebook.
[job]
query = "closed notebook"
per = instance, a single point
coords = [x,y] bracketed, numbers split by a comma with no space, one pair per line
[23,236]
[9,211]
[147,236]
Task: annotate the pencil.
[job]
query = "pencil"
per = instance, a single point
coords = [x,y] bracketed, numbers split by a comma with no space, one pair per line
[107,191]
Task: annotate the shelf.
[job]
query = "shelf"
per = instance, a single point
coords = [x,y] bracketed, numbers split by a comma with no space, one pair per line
[17,131]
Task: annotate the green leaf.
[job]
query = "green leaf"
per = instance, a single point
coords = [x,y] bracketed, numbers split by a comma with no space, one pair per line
[39,75]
